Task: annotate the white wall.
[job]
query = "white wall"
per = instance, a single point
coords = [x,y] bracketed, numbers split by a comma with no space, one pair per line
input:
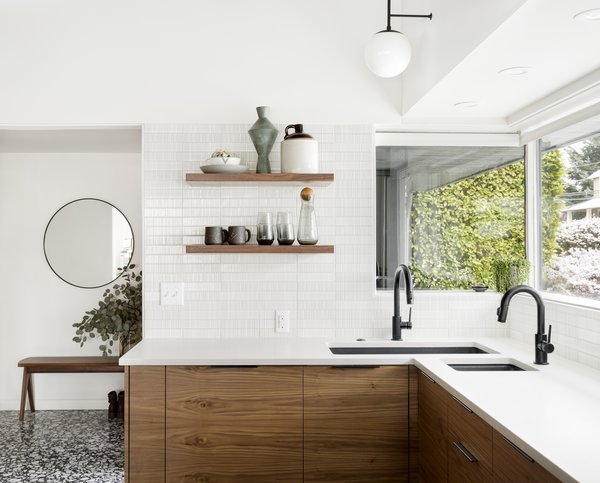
[235,295]
[107,61]
[37,307]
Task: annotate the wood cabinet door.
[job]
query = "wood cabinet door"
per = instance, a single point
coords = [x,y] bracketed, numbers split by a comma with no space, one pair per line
[469,445]
[356,424]
[513,465]
[232,424]
[433,428]
[145,424]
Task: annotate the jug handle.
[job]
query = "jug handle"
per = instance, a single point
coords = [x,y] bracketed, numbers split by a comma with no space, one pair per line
[297,129]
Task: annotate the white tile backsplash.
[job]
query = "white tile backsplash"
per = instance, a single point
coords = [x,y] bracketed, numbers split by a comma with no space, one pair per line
[575,329]
[236,295]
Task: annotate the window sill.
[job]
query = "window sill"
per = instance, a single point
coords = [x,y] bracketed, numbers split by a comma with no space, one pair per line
[570,300]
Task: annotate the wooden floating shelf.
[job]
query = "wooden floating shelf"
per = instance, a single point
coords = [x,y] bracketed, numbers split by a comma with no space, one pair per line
[321,178]
[259,249]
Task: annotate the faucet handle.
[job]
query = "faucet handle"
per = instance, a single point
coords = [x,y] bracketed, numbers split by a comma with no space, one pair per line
[546,346]
[410,318]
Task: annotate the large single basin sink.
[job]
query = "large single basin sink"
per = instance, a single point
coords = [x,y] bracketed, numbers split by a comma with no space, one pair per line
[409,350]
[485,367]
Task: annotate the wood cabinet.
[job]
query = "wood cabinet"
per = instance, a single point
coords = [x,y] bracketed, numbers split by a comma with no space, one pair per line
[432,430]
[356,424]
[227,424]
[193,424]
[469,445]
[145,424]
[457,446]
[513,465]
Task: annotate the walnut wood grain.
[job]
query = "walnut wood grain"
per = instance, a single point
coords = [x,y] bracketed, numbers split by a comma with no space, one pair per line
[318,178]
[146,424]
[259,249]
[433,450]
[232,424]
[356,424]
[514,466]
[413,424]
[126,423]
[468,429]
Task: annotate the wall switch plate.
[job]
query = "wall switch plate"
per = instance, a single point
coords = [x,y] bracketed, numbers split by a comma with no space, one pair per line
[282,321]
[171,293]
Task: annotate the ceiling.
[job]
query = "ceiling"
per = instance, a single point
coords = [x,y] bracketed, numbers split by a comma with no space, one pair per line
[540,34]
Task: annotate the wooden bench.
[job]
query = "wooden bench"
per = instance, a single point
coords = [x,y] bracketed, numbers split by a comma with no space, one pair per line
[54,365]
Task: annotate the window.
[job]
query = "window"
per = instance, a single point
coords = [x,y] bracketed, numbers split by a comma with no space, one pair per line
[448,212]
[571,210]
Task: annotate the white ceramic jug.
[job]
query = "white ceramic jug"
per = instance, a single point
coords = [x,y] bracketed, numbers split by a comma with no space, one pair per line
[299,151]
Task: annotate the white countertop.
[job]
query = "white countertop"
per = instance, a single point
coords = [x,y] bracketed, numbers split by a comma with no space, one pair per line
[552,412]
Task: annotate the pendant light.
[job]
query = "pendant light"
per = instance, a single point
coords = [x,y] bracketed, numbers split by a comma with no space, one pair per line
[388,52]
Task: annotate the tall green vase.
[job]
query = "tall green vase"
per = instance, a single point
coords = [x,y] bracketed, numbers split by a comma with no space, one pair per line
[263,135]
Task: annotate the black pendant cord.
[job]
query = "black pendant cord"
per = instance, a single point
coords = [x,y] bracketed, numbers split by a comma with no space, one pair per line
[390,15]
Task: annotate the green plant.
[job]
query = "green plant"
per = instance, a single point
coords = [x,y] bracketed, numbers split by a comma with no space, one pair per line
[221,153]
[458,229]
[118,317]
[509,272]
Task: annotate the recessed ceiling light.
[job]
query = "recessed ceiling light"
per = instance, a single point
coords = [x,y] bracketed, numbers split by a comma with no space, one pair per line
[516,71]
[591,15]
[467,104]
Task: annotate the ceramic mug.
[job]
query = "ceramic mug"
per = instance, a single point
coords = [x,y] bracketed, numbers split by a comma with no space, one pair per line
[215,235]
[238,235]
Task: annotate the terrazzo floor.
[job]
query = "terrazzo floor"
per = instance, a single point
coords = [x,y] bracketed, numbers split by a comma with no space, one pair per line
[80,446]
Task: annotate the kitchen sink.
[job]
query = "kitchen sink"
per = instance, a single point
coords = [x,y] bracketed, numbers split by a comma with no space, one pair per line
[409,350]
[485,367]
[489,365]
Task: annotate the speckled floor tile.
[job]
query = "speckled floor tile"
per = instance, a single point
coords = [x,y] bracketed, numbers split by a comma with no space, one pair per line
[61,446]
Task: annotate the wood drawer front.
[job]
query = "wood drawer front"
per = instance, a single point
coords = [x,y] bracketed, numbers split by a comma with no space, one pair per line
[145,424]
[468,430]
[356,424]
[229,424]
[433,410]
[433,449]
[514,466]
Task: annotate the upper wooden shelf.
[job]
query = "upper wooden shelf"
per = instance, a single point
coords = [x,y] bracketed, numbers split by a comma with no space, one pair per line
[259,249]
[320,178]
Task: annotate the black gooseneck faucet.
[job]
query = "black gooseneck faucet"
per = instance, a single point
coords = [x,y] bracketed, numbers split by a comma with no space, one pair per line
[543,347]
[397,324]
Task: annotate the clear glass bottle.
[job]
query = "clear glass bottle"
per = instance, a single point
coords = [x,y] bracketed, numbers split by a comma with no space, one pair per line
[307,225]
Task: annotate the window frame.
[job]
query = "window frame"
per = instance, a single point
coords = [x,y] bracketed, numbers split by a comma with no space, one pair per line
[533,199]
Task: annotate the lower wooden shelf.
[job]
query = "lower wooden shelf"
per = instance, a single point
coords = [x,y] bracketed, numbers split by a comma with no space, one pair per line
[259,249]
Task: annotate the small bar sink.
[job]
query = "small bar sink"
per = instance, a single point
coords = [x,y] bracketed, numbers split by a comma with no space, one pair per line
[408,350]
[505,364]
[485,367]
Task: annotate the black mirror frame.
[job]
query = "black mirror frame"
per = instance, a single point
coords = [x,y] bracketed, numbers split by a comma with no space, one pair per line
[46,231]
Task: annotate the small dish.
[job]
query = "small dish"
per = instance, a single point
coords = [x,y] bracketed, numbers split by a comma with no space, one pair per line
[479,287]
[223,168]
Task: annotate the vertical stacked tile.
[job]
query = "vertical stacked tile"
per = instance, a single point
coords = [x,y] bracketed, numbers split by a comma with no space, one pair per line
[236,295]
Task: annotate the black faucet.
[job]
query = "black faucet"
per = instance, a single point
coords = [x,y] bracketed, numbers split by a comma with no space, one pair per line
[543,347]
[397,324]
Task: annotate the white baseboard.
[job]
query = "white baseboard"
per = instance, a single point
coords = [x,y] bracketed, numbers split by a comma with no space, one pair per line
[44,404]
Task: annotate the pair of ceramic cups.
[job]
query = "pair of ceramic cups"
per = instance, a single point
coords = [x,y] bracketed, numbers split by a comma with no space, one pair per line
[234,235]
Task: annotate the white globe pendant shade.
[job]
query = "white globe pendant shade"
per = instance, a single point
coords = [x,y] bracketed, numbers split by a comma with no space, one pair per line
[388,53]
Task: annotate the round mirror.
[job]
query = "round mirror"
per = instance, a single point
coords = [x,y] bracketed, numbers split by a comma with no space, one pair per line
[87,241]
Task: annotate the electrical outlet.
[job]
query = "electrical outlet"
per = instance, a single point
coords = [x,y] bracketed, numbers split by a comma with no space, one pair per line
[171,293]
[282,321]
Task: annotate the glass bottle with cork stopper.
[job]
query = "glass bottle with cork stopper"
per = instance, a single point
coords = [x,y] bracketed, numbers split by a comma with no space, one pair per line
[307,225]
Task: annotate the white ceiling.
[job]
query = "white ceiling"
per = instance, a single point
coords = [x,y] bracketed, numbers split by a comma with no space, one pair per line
[541,34]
